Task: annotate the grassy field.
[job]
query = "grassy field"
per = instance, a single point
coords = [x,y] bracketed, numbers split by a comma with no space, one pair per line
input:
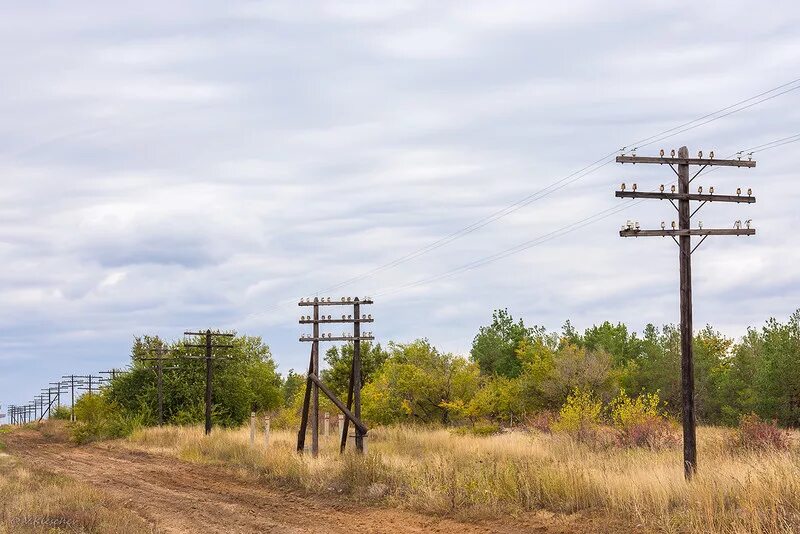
[438,472]
[36,501]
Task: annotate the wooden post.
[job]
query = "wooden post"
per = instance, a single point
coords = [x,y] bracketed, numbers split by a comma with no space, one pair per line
[357,373]
[687,357]
[252,429]
[341,428]
[327,427]
[209,379]
[315,388]
[266,431]
[160,372]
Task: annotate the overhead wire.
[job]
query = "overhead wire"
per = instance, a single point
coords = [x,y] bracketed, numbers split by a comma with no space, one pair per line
[572,178]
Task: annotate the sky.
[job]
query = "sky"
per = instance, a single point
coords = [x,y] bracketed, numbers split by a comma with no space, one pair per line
[180,165]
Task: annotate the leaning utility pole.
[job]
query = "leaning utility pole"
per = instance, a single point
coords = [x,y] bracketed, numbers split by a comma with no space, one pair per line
[684,233]
[313,382]
[209,347]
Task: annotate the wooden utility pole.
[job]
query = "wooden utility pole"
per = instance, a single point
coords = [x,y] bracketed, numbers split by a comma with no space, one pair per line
[160,359]
[72,384]
[209,347]
[313,382]
[684,233]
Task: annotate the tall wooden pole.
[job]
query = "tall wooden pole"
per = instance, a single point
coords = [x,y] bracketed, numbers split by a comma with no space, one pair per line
[315,388]
[357,372]
[682,236]
[209,378]
[160,372]
[687,357]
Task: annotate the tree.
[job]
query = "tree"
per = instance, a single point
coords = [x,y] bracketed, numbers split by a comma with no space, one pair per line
[494,349]
[245,379]
[417,383]
[340,363]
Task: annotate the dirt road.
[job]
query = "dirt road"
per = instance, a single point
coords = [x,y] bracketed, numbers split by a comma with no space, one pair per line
[176,496]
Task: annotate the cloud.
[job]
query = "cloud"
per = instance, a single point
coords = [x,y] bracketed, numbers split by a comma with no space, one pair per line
[181,165]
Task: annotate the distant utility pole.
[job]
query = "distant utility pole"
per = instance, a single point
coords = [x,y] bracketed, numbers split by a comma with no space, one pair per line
[72,384]
[683,232]
[160,378]
[93,382]
[59,387]
[112,373]
[313,382]
[209,347]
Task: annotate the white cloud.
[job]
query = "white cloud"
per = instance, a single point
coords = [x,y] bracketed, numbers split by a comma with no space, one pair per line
[170,165]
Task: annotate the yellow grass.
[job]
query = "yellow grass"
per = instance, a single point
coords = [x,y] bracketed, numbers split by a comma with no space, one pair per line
[438,472]
[35,501]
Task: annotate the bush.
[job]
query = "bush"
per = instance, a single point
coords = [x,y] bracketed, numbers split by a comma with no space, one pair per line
[642,422]
[580,416]
[97,419]
[61,413]
[756,434]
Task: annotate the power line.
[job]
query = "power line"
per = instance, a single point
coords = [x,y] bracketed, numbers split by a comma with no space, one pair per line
[563,182]
[564,230]
[575,176]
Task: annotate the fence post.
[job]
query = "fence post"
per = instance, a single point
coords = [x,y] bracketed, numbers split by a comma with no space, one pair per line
[341,428]
[252,428]
[327,427]
[266,431]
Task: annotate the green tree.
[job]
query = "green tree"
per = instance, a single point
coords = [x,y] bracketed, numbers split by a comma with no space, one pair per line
[494,349]
[340,363]
[417,383]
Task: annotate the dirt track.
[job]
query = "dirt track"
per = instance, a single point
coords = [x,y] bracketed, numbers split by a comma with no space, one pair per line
[175,496]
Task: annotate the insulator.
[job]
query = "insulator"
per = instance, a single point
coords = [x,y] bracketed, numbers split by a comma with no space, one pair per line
[369,316]
[672,188]
[711,154]
[661,188]
[349,316]
[673,225]
[364,316]
[343,317]
[672,153]
[661,152]
[700,224]
[711,190]
[700,155]
[343,299]
[622,187]
[349,299]
[635,187]
[663,225]
[700,189]
[749,192]
[738,190]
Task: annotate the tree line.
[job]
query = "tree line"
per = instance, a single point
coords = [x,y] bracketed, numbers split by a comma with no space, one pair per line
[513,372]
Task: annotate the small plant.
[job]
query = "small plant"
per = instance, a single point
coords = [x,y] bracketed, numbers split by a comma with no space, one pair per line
[62,413]
[580,416]
[754,433]
[642,422]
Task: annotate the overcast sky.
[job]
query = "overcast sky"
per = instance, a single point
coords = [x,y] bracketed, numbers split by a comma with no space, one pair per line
[171,165]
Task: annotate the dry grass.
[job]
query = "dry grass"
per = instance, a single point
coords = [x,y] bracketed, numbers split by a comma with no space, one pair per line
[438,472]
[35,501]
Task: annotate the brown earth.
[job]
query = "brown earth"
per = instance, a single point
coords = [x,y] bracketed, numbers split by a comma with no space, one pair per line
[175,496]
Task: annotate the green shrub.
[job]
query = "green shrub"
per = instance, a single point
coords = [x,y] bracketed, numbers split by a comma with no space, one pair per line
[61,413]
[98,419]
[580,416]
[642,422]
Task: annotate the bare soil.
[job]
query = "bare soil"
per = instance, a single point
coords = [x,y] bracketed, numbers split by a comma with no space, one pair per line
[177,497]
